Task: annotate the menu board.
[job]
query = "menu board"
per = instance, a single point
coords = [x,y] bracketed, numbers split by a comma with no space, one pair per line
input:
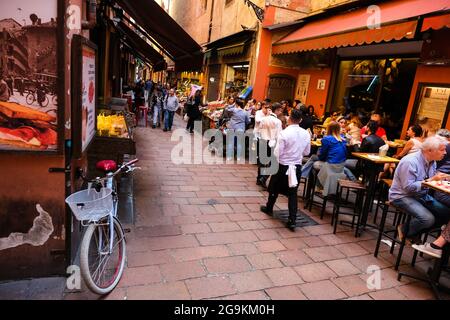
[433,103]
[88,98]
[302,87]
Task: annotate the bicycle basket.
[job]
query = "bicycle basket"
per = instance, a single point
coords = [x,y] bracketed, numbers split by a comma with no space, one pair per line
[91,205]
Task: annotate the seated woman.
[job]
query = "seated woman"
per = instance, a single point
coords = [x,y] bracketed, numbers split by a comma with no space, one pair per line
[333,154]
[354,131]
[330,159]
[415,141]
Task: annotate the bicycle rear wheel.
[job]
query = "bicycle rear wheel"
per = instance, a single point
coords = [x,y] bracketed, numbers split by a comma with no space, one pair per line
[102,271]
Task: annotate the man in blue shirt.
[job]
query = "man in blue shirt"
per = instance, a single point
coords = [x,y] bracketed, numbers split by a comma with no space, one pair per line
[407,191]
[238,123]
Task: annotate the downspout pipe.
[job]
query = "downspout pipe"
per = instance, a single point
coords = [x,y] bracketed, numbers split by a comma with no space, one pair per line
[91,15]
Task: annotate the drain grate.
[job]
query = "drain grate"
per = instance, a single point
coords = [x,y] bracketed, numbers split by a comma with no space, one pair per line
[213,202]
[302,220]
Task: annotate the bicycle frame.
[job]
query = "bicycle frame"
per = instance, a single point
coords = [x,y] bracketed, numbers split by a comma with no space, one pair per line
[109,183]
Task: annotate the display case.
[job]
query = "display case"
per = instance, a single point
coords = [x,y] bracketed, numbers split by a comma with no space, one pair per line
[114,138]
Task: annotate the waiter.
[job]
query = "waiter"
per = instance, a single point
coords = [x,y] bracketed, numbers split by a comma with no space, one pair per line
[267,130]
[294,142]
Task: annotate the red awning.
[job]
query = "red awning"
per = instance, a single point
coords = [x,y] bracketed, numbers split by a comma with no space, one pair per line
[398,20]
[436,22]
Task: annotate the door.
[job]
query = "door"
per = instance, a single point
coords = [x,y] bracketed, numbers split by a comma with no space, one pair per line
[213,82]
[281,87]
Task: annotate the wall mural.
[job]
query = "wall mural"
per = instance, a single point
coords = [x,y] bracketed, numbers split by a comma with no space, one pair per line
[28,75]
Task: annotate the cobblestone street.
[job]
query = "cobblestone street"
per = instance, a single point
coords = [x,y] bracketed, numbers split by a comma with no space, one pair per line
[199,234]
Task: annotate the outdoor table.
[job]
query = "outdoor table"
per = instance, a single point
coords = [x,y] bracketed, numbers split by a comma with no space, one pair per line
[440,185]
[371,175]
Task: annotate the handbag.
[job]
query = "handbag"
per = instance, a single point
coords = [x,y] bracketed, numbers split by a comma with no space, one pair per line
[186,117]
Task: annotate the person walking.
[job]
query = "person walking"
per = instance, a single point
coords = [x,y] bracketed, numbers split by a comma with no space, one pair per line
[293,143]
[157,102]
[170,107]
[193,110]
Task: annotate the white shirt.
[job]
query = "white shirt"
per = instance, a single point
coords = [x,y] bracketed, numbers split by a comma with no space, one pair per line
[270,128]
[294,142]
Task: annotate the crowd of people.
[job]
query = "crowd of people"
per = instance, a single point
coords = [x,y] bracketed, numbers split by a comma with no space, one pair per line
[161,100]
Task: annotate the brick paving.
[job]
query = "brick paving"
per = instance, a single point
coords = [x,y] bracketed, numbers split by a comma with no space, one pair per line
[199,234]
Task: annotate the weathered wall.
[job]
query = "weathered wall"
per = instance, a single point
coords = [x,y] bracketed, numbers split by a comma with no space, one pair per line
[32,209]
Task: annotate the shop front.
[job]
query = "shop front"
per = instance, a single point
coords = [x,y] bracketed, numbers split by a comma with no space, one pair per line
[229,63]
[380,68]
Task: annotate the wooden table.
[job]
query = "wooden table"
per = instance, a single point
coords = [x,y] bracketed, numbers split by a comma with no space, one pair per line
[316,143]
[440,185]
[371,177]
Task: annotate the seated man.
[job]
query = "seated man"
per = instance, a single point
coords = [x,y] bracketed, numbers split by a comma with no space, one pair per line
[407,192]
[380,132]
[372,142]
[444,167]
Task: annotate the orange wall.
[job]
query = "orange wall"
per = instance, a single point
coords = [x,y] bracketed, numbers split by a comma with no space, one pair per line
[317,98]
[426,74]
[264,70]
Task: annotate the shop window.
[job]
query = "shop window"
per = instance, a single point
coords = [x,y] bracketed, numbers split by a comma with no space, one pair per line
[431,106]
[382,85]
[236,78]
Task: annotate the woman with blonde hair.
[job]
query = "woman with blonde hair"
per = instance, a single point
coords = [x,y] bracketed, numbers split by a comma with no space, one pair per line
[354,131]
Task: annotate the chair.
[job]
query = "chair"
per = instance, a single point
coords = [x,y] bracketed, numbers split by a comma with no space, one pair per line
[360,190]
[144,110]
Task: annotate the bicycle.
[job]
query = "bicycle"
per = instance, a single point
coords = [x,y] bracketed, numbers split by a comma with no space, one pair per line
[41,98]
[104,239]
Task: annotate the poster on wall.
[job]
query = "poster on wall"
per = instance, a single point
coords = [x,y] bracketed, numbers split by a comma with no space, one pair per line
[88,98]
[84,101]
[28,76]
[302,87]
[433,104]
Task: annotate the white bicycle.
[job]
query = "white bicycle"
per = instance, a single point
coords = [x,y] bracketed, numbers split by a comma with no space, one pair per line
[103,247]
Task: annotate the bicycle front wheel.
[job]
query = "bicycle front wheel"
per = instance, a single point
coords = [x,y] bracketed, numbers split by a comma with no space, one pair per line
[100,268]
[30,98]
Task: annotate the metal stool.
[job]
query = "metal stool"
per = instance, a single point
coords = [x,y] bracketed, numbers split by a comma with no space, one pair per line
[403,217]
[360,189]
[434,273]
[383,197]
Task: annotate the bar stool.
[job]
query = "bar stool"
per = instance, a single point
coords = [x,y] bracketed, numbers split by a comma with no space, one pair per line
[144,110]
[402,217]
[383,197]
[434,273]
[360,190]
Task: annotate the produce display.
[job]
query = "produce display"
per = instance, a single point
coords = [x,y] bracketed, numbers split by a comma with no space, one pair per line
[113,125]
[214,110]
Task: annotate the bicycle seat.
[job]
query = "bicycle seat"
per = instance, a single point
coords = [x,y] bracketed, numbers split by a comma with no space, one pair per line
[106,165]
